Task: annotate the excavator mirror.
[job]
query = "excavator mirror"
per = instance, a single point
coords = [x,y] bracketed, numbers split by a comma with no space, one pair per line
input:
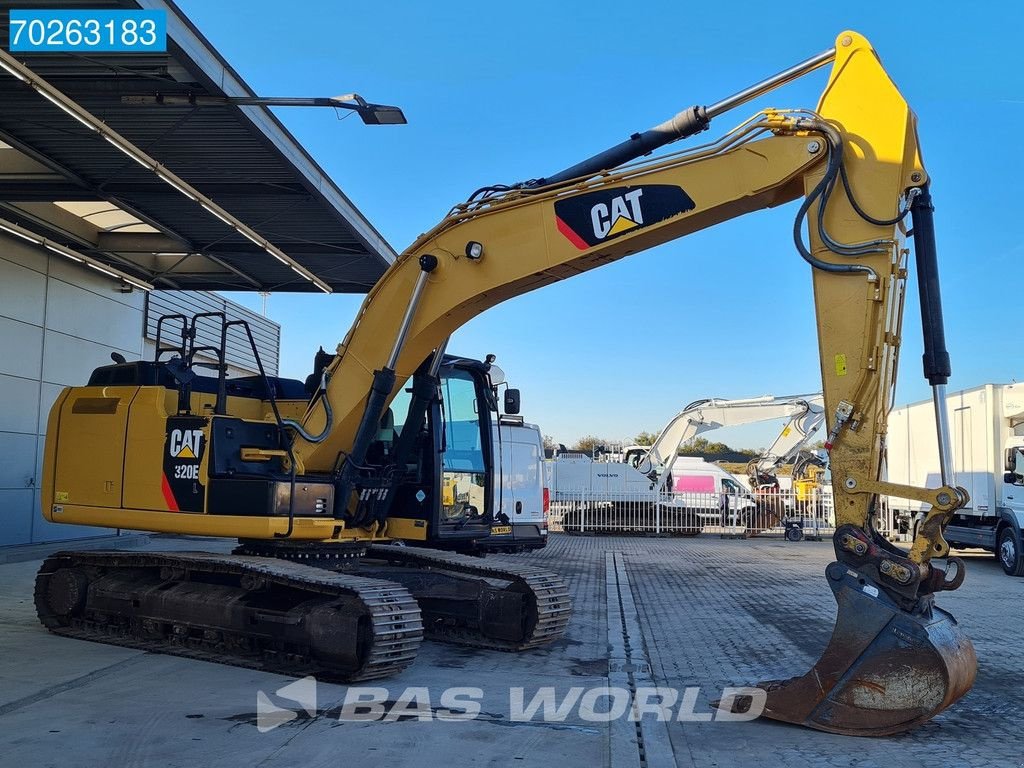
[511,401]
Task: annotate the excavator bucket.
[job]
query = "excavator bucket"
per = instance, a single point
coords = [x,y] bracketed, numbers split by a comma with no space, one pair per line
[885,670]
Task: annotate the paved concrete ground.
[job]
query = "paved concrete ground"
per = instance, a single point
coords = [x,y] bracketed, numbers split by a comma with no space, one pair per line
[705,612]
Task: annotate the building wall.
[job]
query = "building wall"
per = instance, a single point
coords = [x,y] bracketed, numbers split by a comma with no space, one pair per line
[59,321]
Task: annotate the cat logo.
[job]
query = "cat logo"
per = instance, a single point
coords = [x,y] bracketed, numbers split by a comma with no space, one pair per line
[185,443]
[592,218]
[624,212]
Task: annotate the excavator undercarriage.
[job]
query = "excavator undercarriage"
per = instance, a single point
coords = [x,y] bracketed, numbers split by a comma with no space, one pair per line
[247,611]
[329,611]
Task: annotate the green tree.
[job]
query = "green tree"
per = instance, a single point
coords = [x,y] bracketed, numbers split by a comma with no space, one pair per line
[645,438]
[588,443]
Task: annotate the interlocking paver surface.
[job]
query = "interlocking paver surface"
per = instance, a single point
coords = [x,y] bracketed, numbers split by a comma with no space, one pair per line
[719,612]
[711,612]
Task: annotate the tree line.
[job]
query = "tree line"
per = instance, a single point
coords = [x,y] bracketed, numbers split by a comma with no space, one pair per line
[699,446]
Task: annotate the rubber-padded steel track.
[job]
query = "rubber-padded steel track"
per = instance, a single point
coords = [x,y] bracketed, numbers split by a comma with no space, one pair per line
[396,627]
[548,606]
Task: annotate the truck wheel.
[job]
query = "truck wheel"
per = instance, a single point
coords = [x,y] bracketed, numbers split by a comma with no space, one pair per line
[1009,554]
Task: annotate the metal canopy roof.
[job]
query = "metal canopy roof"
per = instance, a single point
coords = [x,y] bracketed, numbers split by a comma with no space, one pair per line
[240,156]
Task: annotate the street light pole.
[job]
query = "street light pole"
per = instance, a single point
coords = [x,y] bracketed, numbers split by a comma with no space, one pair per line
[371,114]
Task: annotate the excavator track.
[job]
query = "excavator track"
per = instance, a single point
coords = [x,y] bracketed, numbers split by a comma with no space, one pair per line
[539,598]
[253,612]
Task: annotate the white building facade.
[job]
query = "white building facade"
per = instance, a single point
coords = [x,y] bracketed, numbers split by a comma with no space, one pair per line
[59,321]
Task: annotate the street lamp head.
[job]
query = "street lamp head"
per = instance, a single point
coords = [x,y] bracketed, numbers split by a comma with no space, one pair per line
[371,114]
[380,114]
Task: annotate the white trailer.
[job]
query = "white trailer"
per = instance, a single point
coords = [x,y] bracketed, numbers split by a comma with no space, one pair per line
[987,435]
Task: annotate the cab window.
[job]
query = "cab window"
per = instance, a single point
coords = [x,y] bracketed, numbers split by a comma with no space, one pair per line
[464,468]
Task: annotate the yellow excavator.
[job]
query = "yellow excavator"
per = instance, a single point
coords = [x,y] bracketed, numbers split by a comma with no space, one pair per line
[301,481]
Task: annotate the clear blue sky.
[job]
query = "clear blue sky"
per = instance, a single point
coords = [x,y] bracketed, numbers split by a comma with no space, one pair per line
[508,91]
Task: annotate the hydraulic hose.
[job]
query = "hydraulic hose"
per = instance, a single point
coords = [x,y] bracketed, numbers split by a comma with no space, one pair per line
[835,159]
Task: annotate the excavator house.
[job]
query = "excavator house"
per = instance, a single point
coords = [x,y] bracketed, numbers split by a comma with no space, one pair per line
[321,490]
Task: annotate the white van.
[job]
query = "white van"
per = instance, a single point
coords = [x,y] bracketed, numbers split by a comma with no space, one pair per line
[520,499]
[706,487]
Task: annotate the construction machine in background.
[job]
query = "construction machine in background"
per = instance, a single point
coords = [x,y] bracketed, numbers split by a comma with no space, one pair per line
[791,443]
[803,507]
[311,480]
[636,492]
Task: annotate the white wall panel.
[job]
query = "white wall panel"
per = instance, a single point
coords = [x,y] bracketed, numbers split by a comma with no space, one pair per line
[69,360]
[47,395]
[20,348]
[18,467]
[87,315]
[22,293]
[19,252]
[18,404]
[91,280]
[16,513]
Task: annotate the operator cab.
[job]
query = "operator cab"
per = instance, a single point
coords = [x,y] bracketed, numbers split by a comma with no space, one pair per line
[443,494]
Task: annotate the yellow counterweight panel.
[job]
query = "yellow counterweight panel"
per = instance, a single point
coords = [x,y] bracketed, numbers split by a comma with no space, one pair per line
[202,404]
[89,456]
[144,483]
[48,494]
[104,465]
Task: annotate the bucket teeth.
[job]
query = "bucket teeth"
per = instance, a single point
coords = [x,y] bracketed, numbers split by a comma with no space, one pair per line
[885,669]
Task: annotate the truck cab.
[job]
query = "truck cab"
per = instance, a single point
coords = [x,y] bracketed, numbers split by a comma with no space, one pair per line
[987,435]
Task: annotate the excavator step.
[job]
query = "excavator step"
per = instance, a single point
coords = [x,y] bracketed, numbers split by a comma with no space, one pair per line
[481,603]
[254,612]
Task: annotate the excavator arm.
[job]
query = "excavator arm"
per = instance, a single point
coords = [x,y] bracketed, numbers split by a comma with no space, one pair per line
[806,419]
[855,164]
[705,415]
